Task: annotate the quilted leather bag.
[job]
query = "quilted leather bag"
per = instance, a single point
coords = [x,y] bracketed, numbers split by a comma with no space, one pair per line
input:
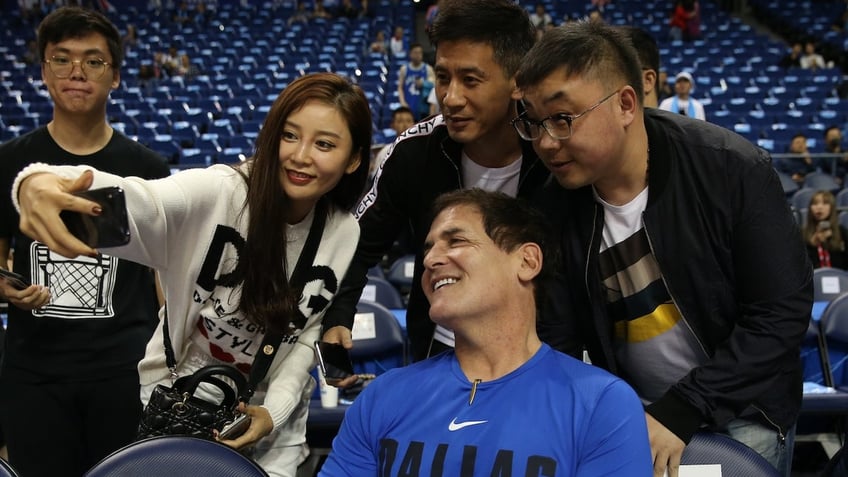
[175,411]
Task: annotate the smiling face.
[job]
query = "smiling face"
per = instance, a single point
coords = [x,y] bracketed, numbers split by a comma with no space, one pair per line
[316,150]
[466,275]
[473,91]
[594,151]
[81,93]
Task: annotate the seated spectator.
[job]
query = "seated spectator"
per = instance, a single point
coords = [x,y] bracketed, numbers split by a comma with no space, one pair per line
[402,119]
[31,55]
[148,75]
[811,60]
[802,164]
[685,21]
[397,45]
[502,402]
[540,18]
[682,102]
[130,39]
[300,15]
[346,9]
[320,11]
[186,68]
[379,45]
[792,59]
[168,62]
[833,145]
[824,237]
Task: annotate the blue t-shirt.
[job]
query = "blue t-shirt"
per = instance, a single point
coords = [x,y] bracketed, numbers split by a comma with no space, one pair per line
[553,416]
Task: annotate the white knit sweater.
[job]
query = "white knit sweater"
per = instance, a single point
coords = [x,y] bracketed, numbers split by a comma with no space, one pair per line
[184,226]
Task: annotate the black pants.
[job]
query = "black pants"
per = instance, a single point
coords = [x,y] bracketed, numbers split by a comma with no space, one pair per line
[63,429]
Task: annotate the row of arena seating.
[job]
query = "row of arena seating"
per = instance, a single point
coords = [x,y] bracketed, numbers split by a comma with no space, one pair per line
[246,57]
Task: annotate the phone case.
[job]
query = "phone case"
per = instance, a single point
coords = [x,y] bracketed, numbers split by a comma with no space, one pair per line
[333,360]
[110,228]
[16,280]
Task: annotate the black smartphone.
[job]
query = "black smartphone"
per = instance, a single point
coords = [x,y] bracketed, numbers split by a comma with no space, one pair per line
[333,360]
[110,228]
[235,428]
[16,280]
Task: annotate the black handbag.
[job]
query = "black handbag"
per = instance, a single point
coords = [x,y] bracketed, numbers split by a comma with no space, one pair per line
[175,411]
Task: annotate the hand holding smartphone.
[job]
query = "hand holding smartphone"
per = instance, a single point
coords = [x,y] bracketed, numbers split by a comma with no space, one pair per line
[110,228]
[236,428]
[333,361]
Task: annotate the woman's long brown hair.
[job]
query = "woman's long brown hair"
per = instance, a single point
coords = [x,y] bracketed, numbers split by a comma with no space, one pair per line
[267,298]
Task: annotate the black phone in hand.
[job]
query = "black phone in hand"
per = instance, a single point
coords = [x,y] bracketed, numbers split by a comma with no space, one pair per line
[333,360]
[110,228]
[16,280]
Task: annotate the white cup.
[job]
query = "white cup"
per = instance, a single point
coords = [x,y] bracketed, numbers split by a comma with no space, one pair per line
[329,394]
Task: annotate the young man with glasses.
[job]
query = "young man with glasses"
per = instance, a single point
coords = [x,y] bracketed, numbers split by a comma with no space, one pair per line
[479,46]
[69,388]
[684,271]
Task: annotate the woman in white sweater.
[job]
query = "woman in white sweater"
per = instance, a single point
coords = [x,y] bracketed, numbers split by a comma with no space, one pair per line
[225,241]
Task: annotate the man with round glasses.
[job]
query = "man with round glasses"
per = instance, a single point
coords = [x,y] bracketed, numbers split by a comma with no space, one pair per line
[684,272]
[69,388]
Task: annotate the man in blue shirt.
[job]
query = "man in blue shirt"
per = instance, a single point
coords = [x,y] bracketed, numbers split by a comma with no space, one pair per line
[501,402]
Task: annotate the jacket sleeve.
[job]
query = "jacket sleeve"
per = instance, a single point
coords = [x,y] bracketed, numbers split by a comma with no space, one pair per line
[771,285]
[381,214]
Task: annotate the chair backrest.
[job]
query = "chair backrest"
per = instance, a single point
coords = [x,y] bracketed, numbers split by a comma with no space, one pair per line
[834,326]
[829,283]
[736,459]
[6,470]
[379,290]
[801,198]
[378,341]
[401,271]
[176,455]
[821,181]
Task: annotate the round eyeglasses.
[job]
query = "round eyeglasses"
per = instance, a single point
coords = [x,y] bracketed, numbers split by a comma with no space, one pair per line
[557,125]
[62,66]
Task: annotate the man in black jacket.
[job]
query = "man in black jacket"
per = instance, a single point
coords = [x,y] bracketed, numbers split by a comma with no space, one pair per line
[684,272]
[479,46]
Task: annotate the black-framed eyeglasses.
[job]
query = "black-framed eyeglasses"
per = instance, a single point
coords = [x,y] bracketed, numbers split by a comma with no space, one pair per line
[62,66]
[557,125]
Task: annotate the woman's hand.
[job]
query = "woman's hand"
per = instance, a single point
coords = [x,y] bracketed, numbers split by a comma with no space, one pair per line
[261,425]
[43,197]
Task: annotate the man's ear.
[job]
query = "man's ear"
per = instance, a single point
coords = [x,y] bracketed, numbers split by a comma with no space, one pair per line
[531,261]
[649,81]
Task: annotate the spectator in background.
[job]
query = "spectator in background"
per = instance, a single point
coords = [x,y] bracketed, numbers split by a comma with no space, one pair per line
[402,119]
[824,237]
[397,44]
[130,38]
[534,411]
[685,20]
[31,55]
[186,68]
[415,80]
[833,145]
[540,18]
[68,379]
[811,60]
[792,59]
[600,4]
[320,11]
[596,16]
[300,15]
[802,164]
[346,9]
[430,16]
[168,62]
[379,45]
[682,102]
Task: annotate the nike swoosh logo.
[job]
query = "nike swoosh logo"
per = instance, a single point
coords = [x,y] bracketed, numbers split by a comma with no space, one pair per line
[455,426]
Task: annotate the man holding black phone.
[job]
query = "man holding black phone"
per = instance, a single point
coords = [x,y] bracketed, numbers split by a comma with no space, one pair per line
[68,382]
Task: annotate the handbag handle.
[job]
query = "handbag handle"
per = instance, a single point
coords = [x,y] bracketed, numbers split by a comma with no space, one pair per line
[188,384]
